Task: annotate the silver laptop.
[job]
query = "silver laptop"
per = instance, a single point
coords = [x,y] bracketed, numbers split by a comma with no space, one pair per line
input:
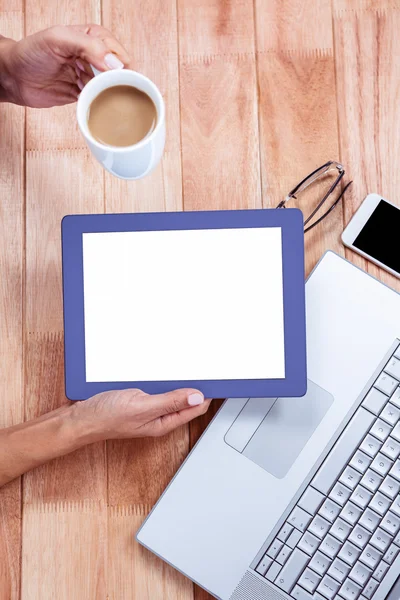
[299,499]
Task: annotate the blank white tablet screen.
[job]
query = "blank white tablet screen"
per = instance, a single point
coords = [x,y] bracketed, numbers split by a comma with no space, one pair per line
[183,305]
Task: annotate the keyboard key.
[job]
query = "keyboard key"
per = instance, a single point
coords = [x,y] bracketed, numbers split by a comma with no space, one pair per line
[391,523]
[380,430]
[361,496]
[370,520]
[386,384]
[381,540]
[371,557]
[360,574]
[274,548]
[370,589]
[350,590]
[395,470]
[375,401]
[380,503]
[393,368]
[395,397]
[340,529]
[391,448]
[285,532]
[396,506]
[339,570]
[264,565]
[360,461]
[371,480]
[342,450]
[273,571]
[340,494]
[397,352]
[390,414]
[299,519]
[319,526]
[320,563]
[311,500]
[381,464]
[370,446]
[351,513]
[349,553]
[328,587]
[283,555]
[390,487]
[350,477]
[359,536]
[299,594]
[391,554]
[294,538]
[309,580]
[330,546]
[329,510]
[308,543]
[291,571]
[381,571]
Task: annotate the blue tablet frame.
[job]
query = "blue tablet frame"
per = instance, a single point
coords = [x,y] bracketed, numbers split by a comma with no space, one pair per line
[291,223]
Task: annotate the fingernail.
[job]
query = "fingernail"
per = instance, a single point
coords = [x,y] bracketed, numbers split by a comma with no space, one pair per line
[78,71]
[80,65]
[113,61]
[195,399]
[80,84]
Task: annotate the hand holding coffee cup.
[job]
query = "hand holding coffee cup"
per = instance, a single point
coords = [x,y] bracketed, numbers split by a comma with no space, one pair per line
[121,114]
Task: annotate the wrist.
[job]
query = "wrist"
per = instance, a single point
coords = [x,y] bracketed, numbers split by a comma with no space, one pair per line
[7,81]
[83,425]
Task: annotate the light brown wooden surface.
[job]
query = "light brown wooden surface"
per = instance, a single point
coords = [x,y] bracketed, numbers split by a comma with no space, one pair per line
[258,93]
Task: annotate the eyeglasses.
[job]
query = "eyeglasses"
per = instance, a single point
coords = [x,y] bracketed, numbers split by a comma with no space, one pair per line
[317,176]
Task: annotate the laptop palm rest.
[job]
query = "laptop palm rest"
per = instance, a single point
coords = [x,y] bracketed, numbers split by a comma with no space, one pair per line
[272,432]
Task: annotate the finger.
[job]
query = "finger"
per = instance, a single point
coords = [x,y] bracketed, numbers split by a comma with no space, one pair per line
[172,402]
[63,93]
[168,423]
[83,79]
[107,37]
[84,66]
[69,43]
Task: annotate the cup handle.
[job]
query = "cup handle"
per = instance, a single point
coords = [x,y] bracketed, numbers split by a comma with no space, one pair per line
[95,71]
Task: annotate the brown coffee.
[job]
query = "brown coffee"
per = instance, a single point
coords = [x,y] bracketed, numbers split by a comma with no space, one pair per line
[121,116]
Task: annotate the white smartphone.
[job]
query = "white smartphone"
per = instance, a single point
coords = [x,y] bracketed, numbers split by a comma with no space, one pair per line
[374,232]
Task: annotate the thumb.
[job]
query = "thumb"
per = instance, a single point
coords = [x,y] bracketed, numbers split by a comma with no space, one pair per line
[171,402]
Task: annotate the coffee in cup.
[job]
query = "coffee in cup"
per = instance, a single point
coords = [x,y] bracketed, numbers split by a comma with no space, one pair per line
[121,115]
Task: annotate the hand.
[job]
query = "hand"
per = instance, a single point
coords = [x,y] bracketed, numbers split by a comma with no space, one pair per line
[49,68]
[132,413]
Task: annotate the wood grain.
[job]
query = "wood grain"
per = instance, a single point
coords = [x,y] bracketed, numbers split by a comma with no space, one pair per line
[368,76]
[258,93]
[12,139]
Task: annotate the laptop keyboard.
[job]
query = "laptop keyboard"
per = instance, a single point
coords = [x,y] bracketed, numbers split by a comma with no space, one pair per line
[343,534]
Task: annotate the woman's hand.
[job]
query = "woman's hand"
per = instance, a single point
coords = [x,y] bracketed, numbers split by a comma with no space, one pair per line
[132,413]
[49,68]
[110,415]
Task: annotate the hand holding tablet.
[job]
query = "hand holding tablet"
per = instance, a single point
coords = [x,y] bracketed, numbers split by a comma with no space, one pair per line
[207,300]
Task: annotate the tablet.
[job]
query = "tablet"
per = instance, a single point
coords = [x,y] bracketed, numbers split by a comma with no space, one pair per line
[207,300]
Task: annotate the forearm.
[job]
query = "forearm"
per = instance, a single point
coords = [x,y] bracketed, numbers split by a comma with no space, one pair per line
[31,444]
[7,83]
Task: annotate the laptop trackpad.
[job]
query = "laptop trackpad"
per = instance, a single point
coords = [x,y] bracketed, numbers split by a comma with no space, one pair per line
[285,429]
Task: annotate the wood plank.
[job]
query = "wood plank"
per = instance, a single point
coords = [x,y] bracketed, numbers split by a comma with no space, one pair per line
[12,120]
[64,501]
[68,560]
[293,25]
[368,78]
[56,128]
[139,470]
[298,115]
[350,6]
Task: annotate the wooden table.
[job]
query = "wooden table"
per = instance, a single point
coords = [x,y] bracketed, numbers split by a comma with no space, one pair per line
[258,94]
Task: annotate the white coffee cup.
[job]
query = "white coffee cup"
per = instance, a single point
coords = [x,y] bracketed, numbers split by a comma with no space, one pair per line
[126,162]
